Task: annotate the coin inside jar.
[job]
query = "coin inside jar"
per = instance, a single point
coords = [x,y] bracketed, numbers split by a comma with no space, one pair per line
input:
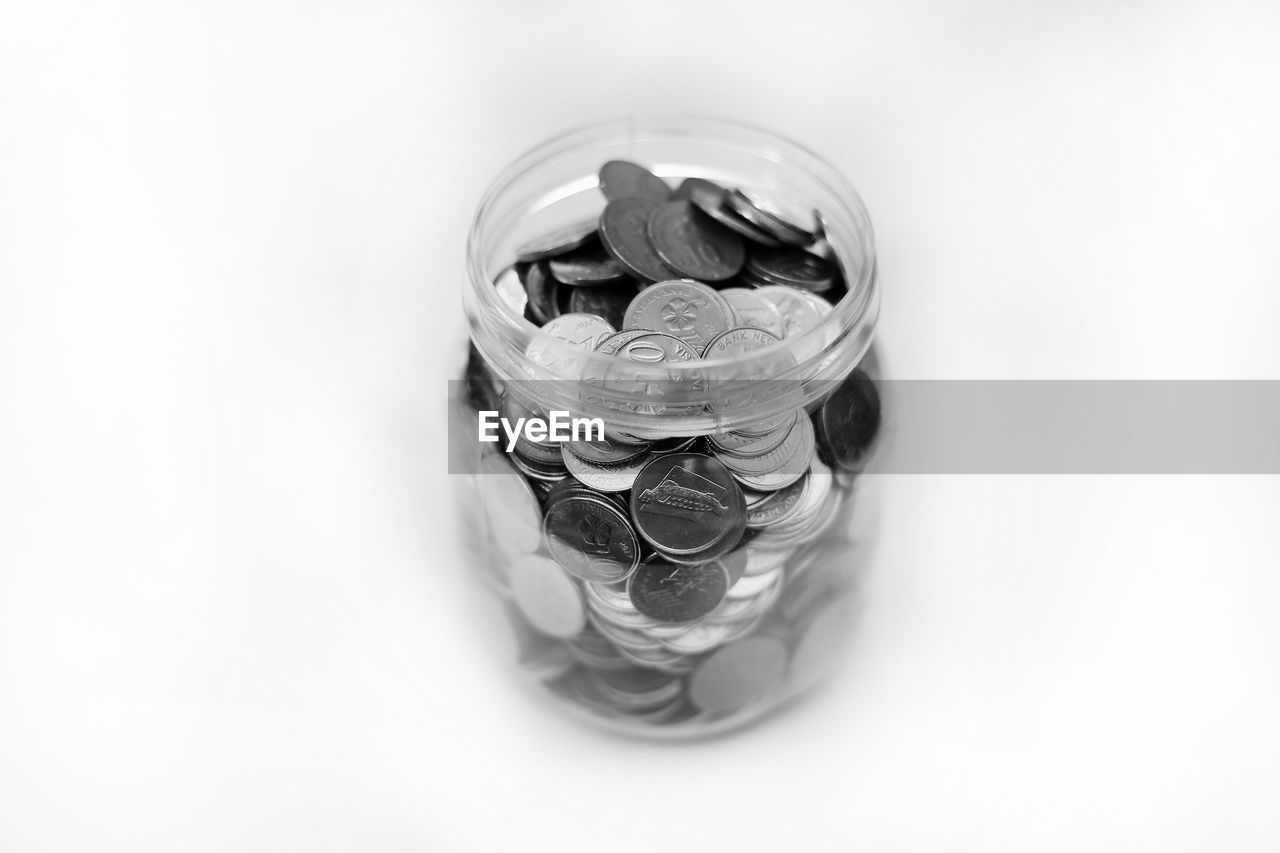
[686,503]
[752,309]
[849,420]
[693,244]
[624,230]
[622,179]
[675,592]
[547,596]
[690,311]
[738,674]
[590,537]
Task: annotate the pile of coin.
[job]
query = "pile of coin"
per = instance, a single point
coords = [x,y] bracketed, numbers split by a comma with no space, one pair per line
[656,578]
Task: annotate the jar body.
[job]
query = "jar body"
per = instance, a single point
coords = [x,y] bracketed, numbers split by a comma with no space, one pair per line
[620,611]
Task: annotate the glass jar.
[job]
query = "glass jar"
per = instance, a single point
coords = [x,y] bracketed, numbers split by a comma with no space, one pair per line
[629,604]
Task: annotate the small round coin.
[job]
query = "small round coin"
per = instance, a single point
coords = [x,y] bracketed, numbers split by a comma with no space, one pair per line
[590,266]
[547,597]
[507,497]
[624,230]
[621,179]
[674,592]
[558,242]
[752,309]
[584,331]
[687,503]
[712,200]
[799,315]
[590,537]
[763,215]
[543,291]
[693,244]
[738,674]
[848,421]
[690,311]
[605,478]
[793,266]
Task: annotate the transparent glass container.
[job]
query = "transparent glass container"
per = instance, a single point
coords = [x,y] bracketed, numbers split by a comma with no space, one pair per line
[568,566]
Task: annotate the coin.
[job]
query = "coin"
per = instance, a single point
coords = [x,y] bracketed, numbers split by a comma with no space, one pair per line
[693,244]
[507,496]
[605,478]
[547,597]
[764,216]
[584,331]
[794,452]
[541,289]
[624,230]
[820,641]
[621,179]
[712,199]
[752,309]
[690,311]
[557,242]
[848,422]
[590,266]
[738,674]
[511,290]
[799,315]
[608,301]
[739,443]
[779,506]
[638,688]
[655,348]
[671,592]
[605,451]
[590,538]
[688,185]
[686,503]
[792,266]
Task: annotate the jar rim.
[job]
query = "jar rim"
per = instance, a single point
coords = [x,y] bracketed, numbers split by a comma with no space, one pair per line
[857,310]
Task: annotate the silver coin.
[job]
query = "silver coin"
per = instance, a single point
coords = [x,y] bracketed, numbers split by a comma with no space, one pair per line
[821,640]
[590,536]
[798,443]
[511,291]
[780,506]
[690,311]
[738,674]
[547,596]
[585,331]
[638,688]
[508,500]
[768,218]
[558,242]
[738,443]
[605,478]
[752,309]
[792,470]
[799,313]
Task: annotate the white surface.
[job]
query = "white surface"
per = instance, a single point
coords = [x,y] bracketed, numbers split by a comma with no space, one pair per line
[233,614]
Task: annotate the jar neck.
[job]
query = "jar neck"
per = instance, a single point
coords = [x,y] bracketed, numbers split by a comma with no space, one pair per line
[701,396]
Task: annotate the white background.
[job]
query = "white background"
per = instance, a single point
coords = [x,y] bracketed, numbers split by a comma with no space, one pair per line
[233,611]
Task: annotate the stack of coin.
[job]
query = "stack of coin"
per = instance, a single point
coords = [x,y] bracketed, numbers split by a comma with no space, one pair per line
[672,580]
